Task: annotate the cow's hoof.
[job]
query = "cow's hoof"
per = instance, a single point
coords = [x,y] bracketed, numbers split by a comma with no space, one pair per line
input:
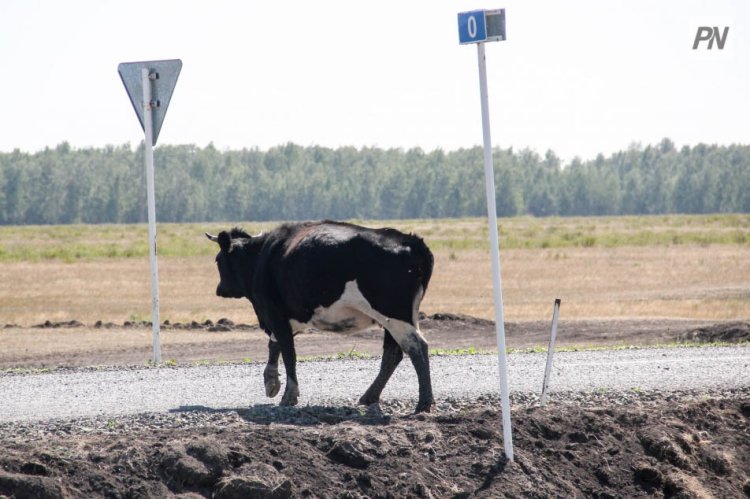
[424,407]
[288,402]
[290,396]
[367,399]
[374,411]
[271,381]
[272,387]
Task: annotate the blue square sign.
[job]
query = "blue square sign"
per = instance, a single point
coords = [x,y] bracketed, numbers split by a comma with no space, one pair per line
[472,27]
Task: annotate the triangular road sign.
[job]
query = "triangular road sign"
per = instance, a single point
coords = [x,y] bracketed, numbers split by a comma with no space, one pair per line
[161,87]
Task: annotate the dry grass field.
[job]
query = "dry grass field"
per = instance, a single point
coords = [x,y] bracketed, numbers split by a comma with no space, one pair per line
[679,281]
[677,267]
[686,267]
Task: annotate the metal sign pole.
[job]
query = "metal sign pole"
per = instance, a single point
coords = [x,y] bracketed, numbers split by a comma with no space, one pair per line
[149,85]
[489,175]
[148,160]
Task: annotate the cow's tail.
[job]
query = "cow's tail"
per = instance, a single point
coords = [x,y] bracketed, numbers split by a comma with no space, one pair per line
[422,260]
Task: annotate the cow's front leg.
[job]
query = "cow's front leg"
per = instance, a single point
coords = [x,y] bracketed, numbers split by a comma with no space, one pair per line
[271,372]
[285,341]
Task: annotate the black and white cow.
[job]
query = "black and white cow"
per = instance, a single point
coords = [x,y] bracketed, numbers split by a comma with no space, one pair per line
[331,276]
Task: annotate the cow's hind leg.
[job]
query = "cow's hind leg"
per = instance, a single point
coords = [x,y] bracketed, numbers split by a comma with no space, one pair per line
[392,355]
[401,324]
[413,343]
[416,347]
[271,372]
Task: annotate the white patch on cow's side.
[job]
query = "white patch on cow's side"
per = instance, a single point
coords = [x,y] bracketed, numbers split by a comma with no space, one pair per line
[273,338]
[343,316]
[352,313]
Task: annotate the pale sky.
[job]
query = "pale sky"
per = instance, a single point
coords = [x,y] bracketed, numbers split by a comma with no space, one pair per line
[578,77]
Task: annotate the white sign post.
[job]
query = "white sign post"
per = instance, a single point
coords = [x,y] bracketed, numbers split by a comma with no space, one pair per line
[150,85]
[480,26]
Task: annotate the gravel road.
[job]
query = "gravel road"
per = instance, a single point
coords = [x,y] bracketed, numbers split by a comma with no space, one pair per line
[90,393]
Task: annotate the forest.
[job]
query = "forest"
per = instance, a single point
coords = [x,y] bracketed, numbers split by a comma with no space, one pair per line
[66,185]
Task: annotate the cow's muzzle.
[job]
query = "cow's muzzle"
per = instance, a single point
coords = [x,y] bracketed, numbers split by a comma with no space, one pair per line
[222,292]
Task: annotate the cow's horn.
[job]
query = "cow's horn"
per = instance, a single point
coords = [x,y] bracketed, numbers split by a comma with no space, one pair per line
[212,238]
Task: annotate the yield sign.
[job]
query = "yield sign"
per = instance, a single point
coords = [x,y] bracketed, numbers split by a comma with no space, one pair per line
[163,80]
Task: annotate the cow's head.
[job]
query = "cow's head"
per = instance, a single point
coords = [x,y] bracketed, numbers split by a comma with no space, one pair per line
[232,268]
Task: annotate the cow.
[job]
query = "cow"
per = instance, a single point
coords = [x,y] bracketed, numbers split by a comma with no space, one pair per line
[331,276]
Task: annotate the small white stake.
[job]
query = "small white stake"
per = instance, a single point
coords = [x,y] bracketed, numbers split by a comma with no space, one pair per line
[550,353]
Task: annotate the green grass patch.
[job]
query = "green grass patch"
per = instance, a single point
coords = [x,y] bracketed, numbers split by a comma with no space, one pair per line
[75,243]
[438,352]
[353,354]
[596,348]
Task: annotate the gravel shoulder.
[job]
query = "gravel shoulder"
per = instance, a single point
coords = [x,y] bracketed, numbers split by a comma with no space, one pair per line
[85,393]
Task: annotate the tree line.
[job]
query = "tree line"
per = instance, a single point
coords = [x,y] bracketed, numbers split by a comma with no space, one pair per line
[65,185]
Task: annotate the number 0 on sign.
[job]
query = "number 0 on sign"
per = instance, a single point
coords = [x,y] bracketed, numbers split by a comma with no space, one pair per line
[472,27]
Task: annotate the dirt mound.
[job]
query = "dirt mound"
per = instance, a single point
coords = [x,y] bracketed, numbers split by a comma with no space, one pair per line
[618,447]
[435,321]
[444,319]
[208,325]
[733,332]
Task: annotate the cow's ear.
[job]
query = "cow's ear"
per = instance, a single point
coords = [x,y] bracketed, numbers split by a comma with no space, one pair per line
[224,241]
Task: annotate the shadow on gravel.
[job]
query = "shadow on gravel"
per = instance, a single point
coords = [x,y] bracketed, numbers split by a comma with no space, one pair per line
[299,416]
